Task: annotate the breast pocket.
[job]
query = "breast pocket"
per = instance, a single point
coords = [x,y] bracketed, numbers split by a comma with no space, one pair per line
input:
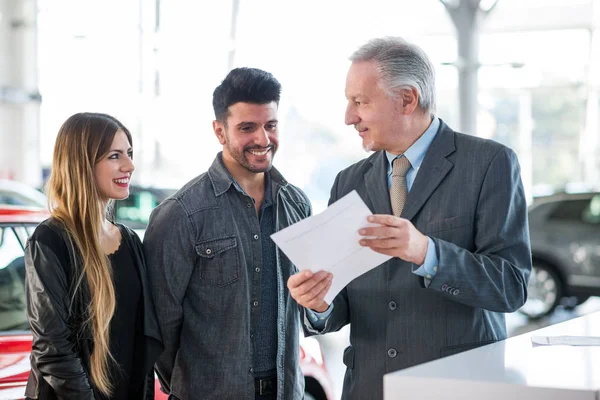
[219,260]
[448,224]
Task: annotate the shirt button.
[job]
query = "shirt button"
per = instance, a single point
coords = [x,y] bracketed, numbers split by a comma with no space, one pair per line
[435,269]
[251,370]
[208,251]
[392,305]
[428,276]
[248,205]
[255,237]
[392,353]
[257,269]
[255,303]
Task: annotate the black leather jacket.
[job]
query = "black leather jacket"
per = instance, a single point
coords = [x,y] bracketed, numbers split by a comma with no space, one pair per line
[60,356]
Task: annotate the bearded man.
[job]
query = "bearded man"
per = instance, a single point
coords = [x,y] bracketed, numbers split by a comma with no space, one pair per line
[230,327]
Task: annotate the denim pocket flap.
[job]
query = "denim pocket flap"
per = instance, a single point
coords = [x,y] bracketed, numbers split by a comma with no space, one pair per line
[212,247]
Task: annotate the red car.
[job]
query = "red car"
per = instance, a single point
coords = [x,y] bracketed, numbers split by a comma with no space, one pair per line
[16,224]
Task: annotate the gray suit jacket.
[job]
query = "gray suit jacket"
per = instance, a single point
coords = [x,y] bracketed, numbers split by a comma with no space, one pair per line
[468,197]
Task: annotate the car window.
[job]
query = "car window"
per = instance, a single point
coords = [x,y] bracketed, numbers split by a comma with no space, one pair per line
[12,200]
[569,210]
[17,199]
[591,214]
[12,279]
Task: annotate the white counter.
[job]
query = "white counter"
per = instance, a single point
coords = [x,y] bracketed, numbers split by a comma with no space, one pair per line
[509,370]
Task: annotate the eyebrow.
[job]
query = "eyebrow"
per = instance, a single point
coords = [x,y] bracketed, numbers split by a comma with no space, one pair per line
[254,123]
[120,151]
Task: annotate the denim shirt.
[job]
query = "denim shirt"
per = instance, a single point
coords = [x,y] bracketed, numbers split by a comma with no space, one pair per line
[264,284]
[200,245]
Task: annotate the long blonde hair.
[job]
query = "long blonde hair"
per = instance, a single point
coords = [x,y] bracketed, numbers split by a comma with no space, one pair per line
[75,202]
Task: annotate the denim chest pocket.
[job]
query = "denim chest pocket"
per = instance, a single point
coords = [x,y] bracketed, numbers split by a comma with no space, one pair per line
[219,260]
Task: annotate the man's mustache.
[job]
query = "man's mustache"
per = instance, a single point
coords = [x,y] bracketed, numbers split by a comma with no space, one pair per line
[269,147]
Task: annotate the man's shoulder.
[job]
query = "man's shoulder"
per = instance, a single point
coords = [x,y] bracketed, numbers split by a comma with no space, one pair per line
[195,195]
[359,168]
[470,143]
[297,195]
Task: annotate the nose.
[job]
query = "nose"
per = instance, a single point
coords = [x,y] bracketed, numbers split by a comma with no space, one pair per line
[262,138]
[351,117]
[128,166]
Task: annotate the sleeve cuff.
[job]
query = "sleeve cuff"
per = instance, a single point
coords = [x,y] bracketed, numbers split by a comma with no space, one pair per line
[317,319]
[430,266]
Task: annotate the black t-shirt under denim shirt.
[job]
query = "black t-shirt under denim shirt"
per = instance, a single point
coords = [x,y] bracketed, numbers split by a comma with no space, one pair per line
[125,327]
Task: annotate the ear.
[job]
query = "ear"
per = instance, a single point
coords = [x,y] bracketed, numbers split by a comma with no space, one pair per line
[409,100]
[219,129]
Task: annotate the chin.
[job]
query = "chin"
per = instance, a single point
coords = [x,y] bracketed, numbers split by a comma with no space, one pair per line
[260,170]
[369,146]
[120,196]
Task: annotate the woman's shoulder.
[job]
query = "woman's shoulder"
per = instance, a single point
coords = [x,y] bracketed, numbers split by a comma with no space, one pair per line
[50,237]
[50,232]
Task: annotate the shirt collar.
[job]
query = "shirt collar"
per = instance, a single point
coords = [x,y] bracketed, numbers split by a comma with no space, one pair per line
[222,179]
[416,152]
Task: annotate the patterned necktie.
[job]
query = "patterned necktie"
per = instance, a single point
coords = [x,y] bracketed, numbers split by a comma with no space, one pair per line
[399,189]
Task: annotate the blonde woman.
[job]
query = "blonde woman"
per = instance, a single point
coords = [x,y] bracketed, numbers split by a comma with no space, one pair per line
[95,334]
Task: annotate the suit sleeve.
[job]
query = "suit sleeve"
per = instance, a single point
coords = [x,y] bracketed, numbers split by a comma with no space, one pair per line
[170,259]
[52,351]
[339,316]
[494,276]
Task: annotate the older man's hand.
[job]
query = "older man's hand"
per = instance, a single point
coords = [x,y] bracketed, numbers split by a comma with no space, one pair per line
[396,237]
[309,289]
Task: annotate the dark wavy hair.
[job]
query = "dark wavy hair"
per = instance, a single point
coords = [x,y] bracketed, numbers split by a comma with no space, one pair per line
[248,85]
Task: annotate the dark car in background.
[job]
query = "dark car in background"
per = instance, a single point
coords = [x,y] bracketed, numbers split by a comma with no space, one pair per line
[565,247]
[16,225]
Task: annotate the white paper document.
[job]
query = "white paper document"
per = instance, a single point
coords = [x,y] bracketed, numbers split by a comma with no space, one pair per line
[566,340]
[329,241]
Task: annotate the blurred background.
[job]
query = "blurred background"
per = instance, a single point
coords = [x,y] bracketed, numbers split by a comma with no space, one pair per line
[525,73]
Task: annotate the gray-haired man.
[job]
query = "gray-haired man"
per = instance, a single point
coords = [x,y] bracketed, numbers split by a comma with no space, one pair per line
[452,213]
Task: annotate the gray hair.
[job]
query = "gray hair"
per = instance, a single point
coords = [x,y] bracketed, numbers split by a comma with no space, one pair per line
[401,64]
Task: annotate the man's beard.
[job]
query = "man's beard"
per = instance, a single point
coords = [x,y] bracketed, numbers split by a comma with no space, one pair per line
[242,159]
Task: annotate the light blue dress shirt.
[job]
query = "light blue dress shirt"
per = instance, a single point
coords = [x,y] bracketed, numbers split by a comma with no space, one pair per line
[415,154]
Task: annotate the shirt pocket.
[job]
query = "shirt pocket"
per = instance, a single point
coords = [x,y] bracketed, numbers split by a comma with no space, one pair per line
[219,260]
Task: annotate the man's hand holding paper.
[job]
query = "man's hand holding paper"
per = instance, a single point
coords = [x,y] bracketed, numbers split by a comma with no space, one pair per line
[328,242]
[309,289]
[396,237]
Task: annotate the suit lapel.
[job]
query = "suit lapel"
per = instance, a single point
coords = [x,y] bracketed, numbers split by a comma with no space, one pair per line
[434,168]
[378,198]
